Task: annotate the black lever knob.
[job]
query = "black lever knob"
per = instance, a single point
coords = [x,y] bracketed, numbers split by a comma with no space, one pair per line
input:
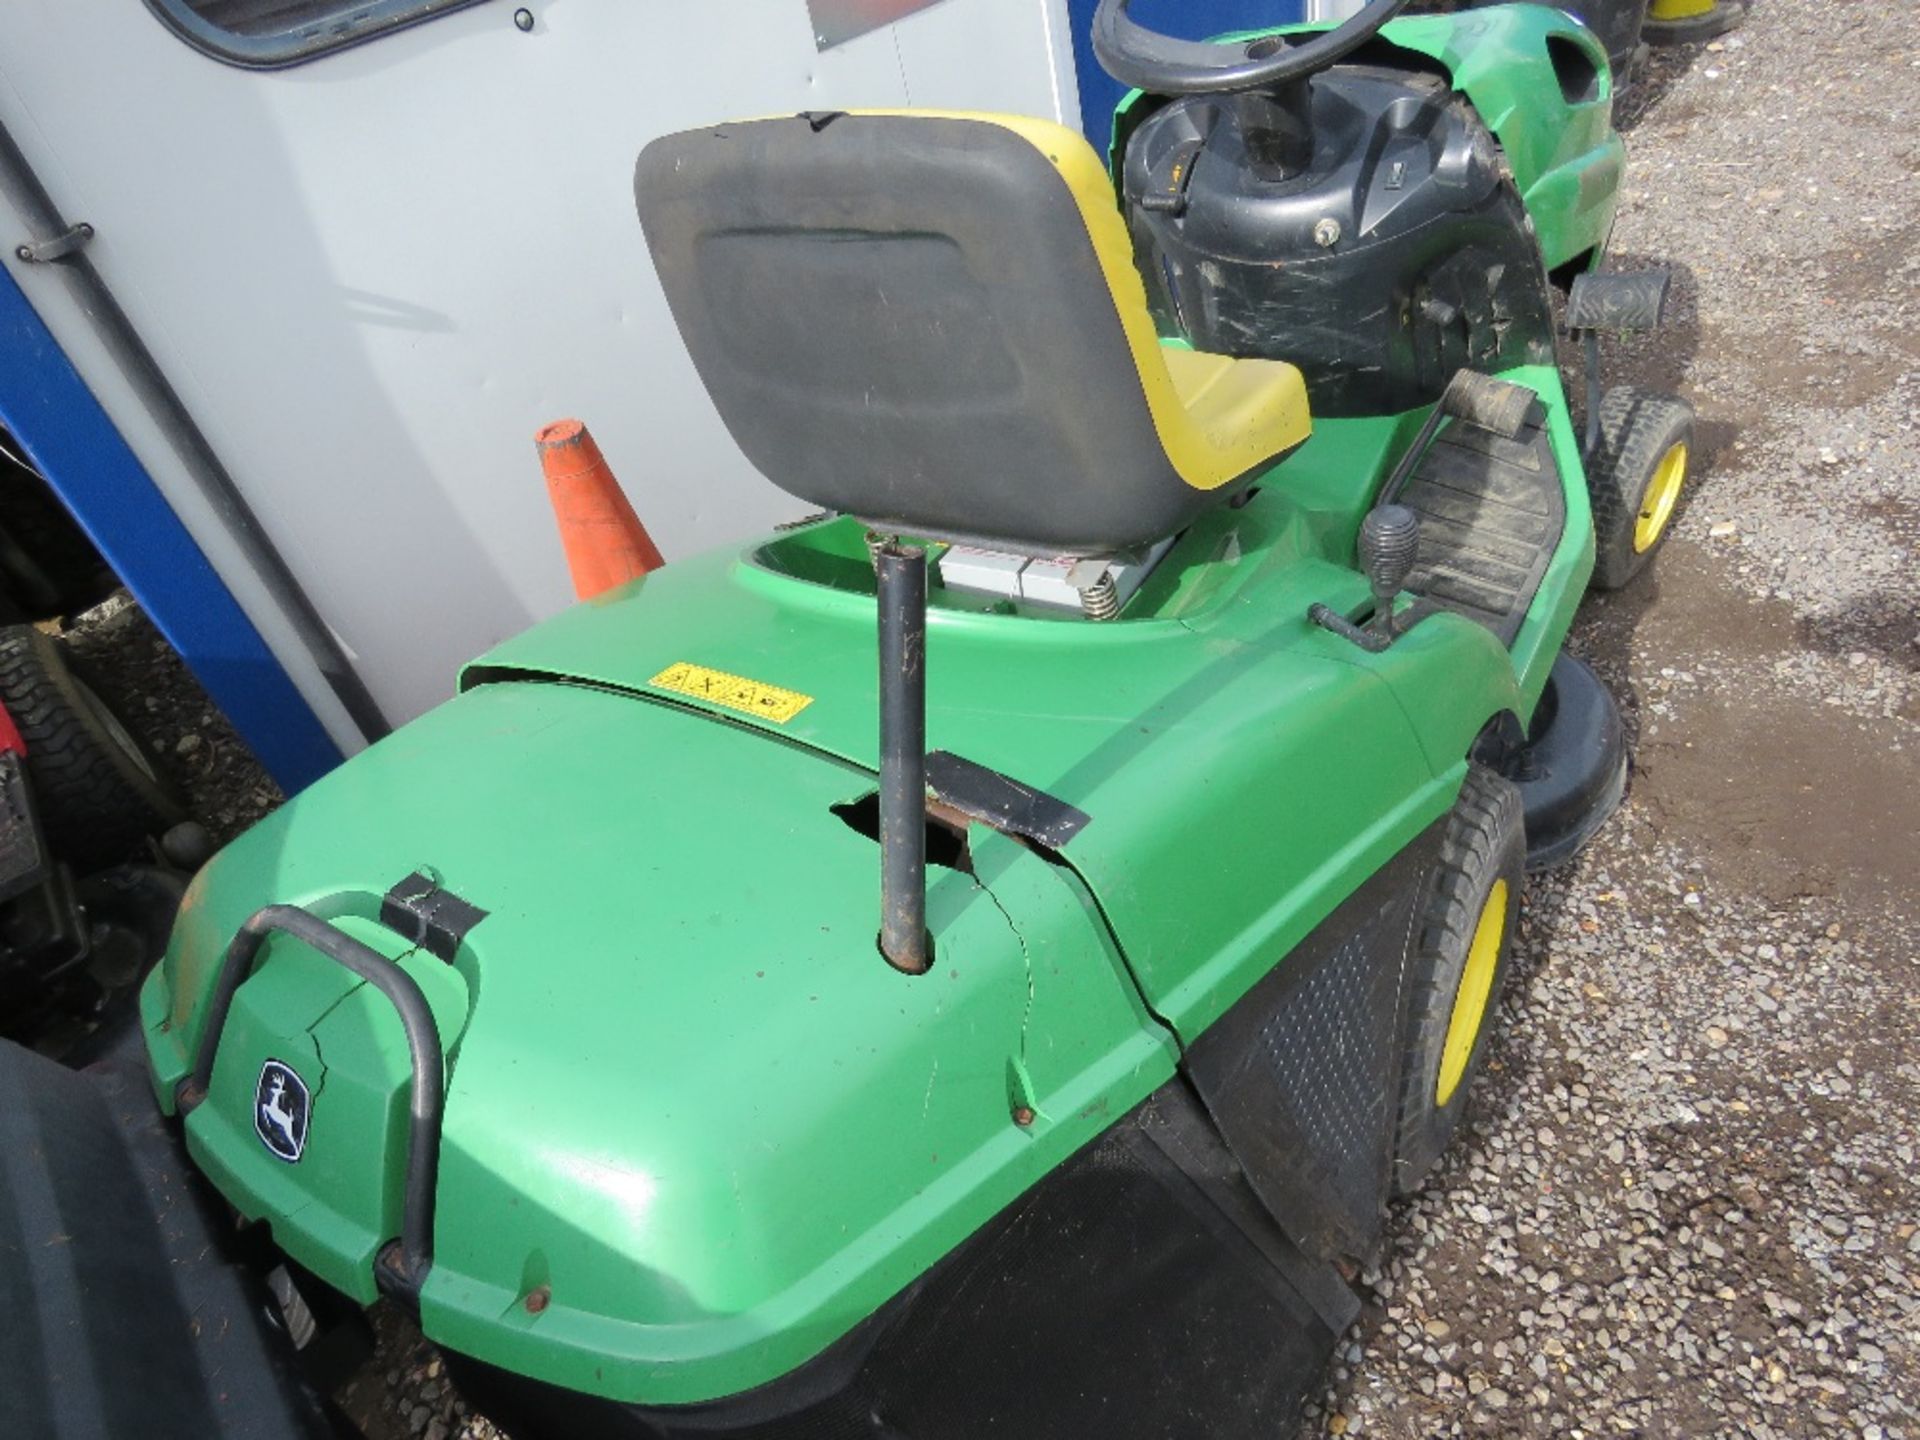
[1389,544]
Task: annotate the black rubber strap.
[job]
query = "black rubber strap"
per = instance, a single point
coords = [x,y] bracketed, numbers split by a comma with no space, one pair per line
[424,911]
[1002,802]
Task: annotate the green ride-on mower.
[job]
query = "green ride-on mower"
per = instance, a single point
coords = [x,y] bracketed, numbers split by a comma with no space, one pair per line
[709,1031]
[1623,26]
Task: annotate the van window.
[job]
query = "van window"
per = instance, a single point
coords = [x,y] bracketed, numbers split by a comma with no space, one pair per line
[268,33]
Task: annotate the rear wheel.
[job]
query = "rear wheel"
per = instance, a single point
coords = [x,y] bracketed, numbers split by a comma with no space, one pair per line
[97,793]
[1463,931]
[1634,477]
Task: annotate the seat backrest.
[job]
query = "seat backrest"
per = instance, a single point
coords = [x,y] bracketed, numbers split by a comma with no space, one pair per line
[932,321]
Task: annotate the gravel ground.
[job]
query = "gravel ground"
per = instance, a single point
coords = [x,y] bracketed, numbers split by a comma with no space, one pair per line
[1685,1204]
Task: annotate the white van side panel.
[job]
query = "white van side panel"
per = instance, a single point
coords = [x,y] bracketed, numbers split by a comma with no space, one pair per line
[371,277]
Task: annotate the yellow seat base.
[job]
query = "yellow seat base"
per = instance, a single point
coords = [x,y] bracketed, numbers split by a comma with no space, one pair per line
[1239,407]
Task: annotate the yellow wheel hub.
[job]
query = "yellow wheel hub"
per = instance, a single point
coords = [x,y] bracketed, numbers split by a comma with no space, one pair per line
[1471,996]
[1680,9]
[1656,508]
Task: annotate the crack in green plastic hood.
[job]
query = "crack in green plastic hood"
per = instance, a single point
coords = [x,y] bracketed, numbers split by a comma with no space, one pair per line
[1243,769]
[685,1092]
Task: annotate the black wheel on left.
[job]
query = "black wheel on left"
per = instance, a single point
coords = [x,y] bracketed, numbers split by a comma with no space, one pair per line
[97,792]
[1462,933]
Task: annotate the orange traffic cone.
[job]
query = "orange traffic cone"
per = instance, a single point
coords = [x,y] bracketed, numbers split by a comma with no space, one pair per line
[605,542]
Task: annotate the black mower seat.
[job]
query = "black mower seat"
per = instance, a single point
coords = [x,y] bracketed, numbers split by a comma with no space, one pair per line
[932,321]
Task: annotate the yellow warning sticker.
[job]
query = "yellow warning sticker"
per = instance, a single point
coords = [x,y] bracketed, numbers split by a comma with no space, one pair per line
[750,697]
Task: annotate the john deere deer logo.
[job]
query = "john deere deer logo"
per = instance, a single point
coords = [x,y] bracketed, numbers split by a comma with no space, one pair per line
[280,1107]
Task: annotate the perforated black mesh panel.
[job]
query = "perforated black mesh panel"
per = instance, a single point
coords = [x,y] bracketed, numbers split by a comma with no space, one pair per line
[1116,1301]
[1302,1074]
[1329,1051]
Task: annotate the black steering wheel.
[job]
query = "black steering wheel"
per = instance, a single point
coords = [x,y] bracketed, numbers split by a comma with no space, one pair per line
[1162,65]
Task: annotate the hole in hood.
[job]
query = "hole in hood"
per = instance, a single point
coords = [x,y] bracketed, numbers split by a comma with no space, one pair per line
[946,839]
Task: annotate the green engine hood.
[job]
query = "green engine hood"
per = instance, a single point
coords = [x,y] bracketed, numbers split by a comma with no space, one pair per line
[685,1093]
[686,1096]
[1243,768]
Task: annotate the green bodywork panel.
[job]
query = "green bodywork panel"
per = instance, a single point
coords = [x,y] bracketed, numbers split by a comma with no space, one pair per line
[685,1092]
[1566,157]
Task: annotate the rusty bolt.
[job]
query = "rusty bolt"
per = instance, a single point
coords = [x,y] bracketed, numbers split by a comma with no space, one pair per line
[538,1298]
[1023,1115]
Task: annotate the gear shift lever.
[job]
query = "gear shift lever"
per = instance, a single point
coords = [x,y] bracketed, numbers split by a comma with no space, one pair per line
[1389,543]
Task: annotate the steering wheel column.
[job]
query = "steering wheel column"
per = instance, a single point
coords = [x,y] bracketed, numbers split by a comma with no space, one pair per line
[1163,65]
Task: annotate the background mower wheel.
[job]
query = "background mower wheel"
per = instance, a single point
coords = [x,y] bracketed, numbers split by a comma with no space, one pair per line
[1689,22]
[1463,930]
[97,793]
[1635,476]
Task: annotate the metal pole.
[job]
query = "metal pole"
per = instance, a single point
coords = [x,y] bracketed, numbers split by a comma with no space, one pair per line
[901,572]
[155,391]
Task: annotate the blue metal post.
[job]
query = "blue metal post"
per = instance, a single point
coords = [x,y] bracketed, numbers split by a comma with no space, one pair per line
[72,442]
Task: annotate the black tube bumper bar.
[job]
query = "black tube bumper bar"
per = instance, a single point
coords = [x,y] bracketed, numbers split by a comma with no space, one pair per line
[406,1270]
